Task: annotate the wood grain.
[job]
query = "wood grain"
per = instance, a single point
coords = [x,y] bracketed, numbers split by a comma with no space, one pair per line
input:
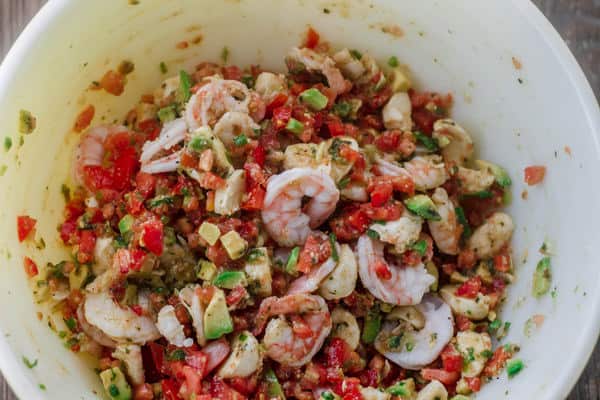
[578,21]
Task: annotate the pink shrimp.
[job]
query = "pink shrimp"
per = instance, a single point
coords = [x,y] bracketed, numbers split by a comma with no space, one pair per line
[293,341]
[314,61]
[406,286]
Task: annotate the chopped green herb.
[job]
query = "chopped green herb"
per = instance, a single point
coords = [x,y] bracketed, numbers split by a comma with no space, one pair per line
[255,255]
[394,342]
[248,80]
[225,54]
[185,86]
[487,353]
[356,54]
[342,109]
[295,126]
[70,322]
[462,219]
[428,142]
[332,241]
[160,200]
[167,114]
[274,389]
[314,98]
[327,396]
[163,67]
[420,247]
[514,366]
[470,354]
[27,122]
[66,192]
[372,234]
[398,389]
[3,169]
[240,140]
[198,143]
[7,143]
[292,260]
[113,390]
[542,277]
[176,355]
[126,67]
[344,182]
[30,364]
[393,61]
[494,325]
[372,326]
[126,223]
[42,386]
[409,346]
[326,10]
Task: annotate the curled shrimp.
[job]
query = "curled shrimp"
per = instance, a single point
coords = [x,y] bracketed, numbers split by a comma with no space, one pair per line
[232,124]
[93,333]
[214,99]
[285,219]
[314,61]
[416,348]
[405,286]
[428,172]
[401,232]
[168,163]
[190,297]
[297,333]
[172,133]
[456,143]
[308,283]
[91,151]
[120,324]
[446,232]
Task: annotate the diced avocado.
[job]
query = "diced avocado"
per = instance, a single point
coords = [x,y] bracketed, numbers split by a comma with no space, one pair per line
[274,389]
[207,270]
[125,224]
[78,276]
[514,366]
[217,321]
[542,277]
[400,82]
[115,384]
[423,206]
[499,173]
[258,270]
[209,232]
[404,388]
[329,395]
[230,279]
[372,325]
[234,244]
[314,99]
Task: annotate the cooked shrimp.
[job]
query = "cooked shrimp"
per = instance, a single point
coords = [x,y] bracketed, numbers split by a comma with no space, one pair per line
[131,355]
[397,112]
[285,219]
[269,85]
[456,143]
[294,342]
[401,233]
[428,172]
[190,297]
[118,323]
[491,236]
[172,133]
[90,151]
[169,326]
[232,124]
[414,349]
[168,163]
[446,232]
[308,283]
[348,64]
[391,168]
[473,181]
[406,285]
[94,333]
[214,99]
[316,62]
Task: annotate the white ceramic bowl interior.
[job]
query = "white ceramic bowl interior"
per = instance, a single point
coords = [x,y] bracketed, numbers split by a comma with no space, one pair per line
[517,117]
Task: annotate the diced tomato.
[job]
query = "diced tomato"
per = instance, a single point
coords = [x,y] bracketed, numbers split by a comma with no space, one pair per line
[153,355]
[220,390]
[463,323]
[470,288]
[388,141]
[211,181]
[232,72]
[31,268]
[97,177]
[336,352]
[152,236]
[260,155]
[125,167]
[466,259]
[25,225]
[254,199]
[502,262]
[134,202]
[445,377]
[474,383]
[404,184]
[281,116]
[451,359]
[87,242]
[145,184]
[312,38]
[496,363]
[84,118]
[381,194]
[136,308]
[350,224]
[424,120]
[390,211]
[336,128]
[300,328]
[217,254]
[315,251]
[150,128]
[236,295]
[370,377]
[534,174]
[278,101]
[113,82]
[349,154]
[67,231]
[383,270]
[245,386]
[298,88]
[143,392]
[170,388]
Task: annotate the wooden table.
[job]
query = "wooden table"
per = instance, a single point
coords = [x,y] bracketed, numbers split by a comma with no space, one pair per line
[578,21]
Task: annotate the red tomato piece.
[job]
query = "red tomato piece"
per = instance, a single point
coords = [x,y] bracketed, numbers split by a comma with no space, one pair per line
[220,390]
[124,169]
[534,174]
[336,128]
[260,155]
[451,359]
[211,181]
[315,251]
[383,271]
[152,236]
[30,266]
[312,38]
[87,242]
[254,200]
[496,363]
[502,262]
[67,231]
[390,211]
[281,116]
[236,295]
[84,118]
[381,194]
[97,177]
[447,378]
[170,388]
[25,225]
[145,183]
[232,72]
[113,82]
[278,101]
[470,288]
[474,383]
[150,127]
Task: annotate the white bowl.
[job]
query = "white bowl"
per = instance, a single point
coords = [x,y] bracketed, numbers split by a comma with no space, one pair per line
[465,47]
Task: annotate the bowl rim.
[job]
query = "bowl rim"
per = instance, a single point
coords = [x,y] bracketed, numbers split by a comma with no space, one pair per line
[12,368]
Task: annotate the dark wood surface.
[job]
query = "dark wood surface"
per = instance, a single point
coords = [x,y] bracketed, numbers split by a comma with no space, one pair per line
[578,21]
